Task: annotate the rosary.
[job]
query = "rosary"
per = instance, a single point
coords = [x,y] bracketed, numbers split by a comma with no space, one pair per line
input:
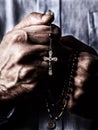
[67,89]
[61,104]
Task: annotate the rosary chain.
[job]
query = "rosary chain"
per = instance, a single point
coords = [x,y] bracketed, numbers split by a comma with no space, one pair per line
[69,85]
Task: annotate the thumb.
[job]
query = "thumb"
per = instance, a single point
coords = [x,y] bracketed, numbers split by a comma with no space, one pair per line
[35,18]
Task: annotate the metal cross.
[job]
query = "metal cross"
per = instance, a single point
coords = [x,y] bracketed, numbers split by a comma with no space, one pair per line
[50,59]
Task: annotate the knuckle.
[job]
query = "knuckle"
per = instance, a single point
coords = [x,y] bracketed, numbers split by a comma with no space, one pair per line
[82,72]
[78,93]
[85,60]
[26,72]
[34,18]
[71,103]
[28,87]
[79,81]
[15,36]
[19,36]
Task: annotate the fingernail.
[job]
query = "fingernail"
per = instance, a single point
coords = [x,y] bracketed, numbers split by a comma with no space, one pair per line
[49,12]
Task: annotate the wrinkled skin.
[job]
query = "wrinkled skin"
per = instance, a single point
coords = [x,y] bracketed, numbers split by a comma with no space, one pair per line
[22,51]
[22,66]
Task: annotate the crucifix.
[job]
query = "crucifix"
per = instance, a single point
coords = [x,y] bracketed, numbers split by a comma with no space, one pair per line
[50,59]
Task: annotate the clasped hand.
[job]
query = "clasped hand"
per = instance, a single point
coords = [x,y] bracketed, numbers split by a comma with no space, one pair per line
[22,51]
[22,65]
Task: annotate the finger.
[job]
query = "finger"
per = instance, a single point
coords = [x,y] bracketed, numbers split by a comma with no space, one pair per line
[85,61]
[14,37]
[22,49]
[30,73]
[78,92]
[82,72]
[79,81]
[74,98]
[19,42]
[35,19]
[40,33]
[81,77]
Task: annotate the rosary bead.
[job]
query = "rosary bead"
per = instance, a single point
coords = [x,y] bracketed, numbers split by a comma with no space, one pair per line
[51,35]
[51,124]
[67,97]
[61,104]
[69,91]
